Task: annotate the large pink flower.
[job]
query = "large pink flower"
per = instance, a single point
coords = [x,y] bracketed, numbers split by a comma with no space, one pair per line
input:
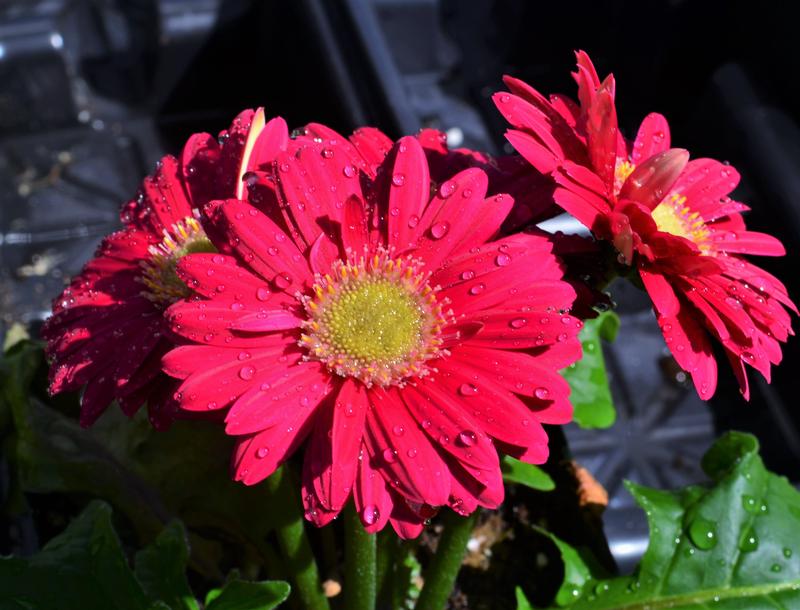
[107,331]
[671,218]
[379,320]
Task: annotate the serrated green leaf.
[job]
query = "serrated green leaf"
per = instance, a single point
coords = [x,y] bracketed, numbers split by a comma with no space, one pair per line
[516,471]
[576,572]
[161,569]
[243,595]
[83,568]
[733,545]
[590,393]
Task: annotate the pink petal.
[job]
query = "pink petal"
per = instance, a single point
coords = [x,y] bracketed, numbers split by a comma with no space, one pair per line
[355,231]
[217,276]
[651,181]
[445,420]
[653,138]
[322,254]
[267,321]
[400,449]
[332,459]
[371,497]
[532,150]
[661,292]
[409,192]
[263,245]
[277,395]
[451,216]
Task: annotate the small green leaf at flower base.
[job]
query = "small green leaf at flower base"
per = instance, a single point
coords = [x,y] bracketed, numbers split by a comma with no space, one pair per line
[729,545]
[590,393]
[242,595]
[515,471]
[161,567]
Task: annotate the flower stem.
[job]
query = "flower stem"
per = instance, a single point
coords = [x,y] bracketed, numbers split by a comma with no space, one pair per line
[441,574]
[360,585]
[300,562]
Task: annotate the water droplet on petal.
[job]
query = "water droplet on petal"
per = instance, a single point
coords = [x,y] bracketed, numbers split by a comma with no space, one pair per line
[247,372]
[467,438]
[398,179]
[440,229]
[518,322]
[389,455]
[541,393]
[399,430]
[262,452]
[467,389]
[467,275]
[262,294]
[413,221]
[446,189]
[349,171]
[477,289]
[370,514]
[502,260]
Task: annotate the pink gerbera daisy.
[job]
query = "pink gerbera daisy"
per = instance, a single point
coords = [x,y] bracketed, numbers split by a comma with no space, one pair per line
[380,321]
[107,332]
[669,217]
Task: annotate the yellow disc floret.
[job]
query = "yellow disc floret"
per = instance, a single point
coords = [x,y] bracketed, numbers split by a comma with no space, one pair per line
[674,217]
[162,284]
[375,319]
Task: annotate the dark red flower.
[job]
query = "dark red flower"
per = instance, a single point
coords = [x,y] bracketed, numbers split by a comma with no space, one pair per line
[384,324]
[670,217]
[107,331]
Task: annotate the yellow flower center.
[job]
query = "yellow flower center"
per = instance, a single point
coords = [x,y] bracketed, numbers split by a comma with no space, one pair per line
[674,217]
[163,286]
[622,170]
[376,319]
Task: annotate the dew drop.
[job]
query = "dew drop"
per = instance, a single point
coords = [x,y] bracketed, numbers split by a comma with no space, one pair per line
[467,438]
[389,456]
[370,514]
[413,221]
[262,452]
[327,153]
[440,229]
[477,289]
[349,171]
[748,541]
[702,533]
[467,389]
[518,322]
[467,275]
[399,430]
[262,294]
[541,393]
[447,188]
[247,372]
[398,179]
[502,260]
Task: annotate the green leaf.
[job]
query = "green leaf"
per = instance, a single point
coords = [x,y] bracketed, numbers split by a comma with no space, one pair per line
[83,568]
[733,545]
[588,380]
[522,601]
[149,476]
[242,595]
[515,471]
[161,567]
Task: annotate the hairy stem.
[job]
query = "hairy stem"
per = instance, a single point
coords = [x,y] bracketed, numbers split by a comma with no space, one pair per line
[441,574]
[360,584]
[299,558]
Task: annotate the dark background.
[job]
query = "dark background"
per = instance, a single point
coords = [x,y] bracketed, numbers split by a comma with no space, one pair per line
[93,92]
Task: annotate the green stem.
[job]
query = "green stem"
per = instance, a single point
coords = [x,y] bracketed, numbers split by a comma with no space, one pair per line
[386,558]
[300,563]
[360,587]
[441,573]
